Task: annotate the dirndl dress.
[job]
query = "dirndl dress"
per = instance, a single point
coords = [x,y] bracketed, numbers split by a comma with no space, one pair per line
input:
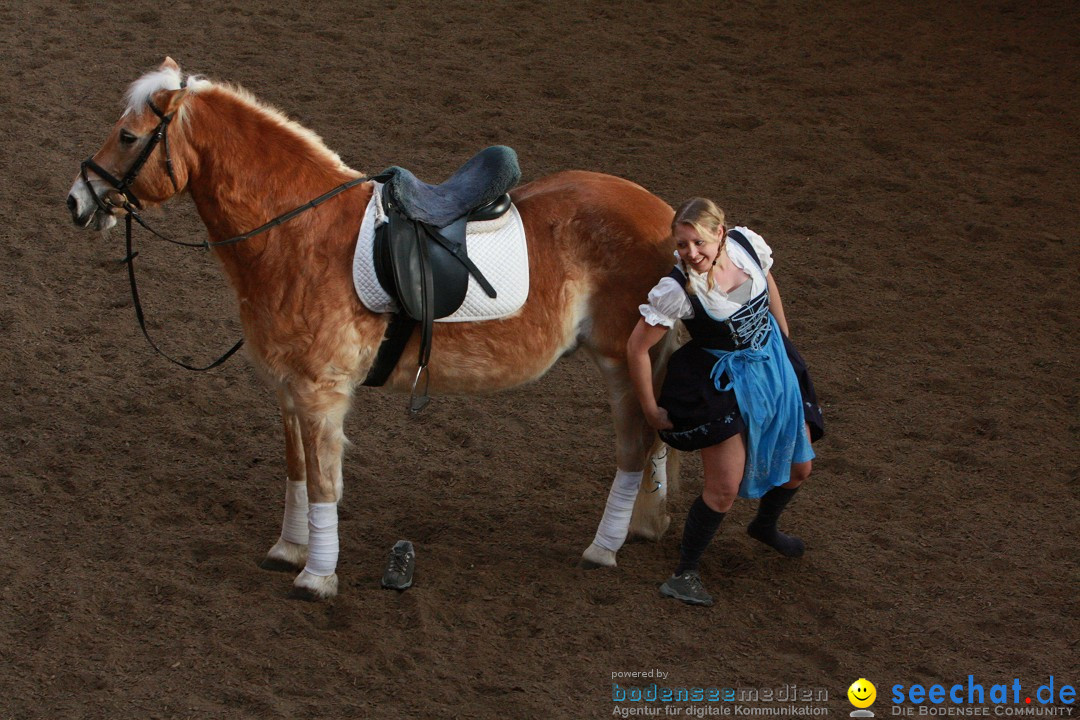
[741,374]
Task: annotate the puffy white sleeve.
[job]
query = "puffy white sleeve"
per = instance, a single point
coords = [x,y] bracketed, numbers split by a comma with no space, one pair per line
[667,303]
[764,252]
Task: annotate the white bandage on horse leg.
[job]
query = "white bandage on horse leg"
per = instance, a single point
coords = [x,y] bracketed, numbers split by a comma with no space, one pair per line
[322,539]
[620,506]
[294,528]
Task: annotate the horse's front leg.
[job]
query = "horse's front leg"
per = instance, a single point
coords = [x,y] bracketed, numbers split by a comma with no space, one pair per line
[320,413]
[290,551]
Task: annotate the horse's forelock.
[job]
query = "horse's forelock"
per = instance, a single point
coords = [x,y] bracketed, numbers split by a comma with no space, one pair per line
[162,79]
[144,88]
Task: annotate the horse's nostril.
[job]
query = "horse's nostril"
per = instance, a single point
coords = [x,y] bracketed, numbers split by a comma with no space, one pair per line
[72,204]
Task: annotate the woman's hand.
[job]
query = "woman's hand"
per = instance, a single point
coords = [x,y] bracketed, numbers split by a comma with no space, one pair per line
[639,366]
[658,419]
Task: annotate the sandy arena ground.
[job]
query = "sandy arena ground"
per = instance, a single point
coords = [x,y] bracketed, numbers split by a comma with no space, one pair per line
[912,164]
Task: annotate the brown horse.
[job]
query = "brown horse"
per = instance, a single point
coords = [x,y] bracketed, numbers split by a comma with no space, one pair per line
[596,244]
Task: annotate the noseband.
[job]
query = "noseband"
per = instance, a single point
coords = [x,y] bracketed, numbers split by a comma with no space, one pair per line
[160,135]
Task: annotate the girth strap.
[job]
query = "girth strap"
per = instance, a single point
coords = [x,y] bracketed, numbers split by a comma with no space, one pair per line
[396,337]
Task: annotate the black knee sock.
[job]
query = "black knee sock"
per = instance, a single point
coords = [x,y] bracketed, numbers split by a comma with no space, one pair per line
[702,522]
[763,527]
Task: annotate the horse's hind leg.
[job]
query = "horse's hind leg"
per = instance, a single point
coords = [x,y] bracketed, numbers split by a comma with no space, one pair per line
[633,438]
[290,551]
[320,413]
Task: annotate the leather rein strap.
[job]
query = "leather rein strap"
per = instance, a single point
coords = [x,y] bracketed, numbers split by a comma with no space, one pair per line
[131,203]
[129,260]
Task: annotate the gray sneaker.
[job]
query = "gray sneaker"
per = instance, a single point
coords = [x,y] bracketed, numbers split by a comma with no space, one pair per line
[399,567]
[688,588]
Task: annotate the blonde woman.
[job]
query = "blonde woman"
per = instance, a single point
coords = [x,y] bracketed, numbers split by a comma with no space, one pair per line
[738,391]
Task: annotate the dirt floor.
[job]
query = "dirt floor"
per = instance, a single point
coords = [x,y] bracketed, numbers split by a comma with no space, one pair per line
[912,164]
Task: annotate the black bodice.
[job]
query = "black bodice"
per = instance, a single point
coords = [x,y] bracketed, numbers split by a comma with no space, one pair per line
[747,327]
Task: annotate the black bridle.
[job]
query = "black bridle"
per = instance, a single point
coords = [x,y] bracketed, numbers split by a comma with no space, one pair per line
[160,135]
[131,203]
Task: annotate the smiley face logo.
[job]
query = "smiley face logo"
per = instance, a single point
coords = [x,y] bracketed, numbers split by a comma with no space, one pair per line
[862,693]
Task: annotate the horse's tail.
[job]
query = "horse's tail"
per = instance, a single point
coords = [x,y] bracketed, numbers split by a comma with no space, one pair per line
[674,466]
[650,519]
[662,469]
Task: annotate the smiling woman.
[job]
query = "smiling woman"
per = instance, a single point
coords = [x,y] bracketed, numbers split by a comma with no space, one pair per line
[314,342]
[738,391]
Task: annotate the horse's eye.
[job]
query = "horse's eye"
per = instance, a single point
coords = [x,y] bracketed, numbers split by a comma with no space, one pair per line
[127,138]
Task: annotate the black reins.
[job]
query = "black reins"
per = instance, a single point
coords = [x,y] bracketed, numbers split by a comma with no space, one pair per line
[131,203]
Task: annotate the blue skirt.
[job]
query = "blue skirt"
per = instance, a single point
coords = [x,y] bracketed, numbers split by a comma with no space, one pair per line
[711,395]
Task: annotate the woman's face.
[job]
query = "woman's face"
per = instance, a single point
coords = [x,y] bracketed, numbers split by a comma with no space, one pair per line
[697,252]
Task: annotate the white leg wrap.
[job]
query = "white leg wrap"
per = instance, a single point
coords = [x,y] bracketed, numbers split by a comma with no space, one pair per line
[322,539]
[294,528]
[620,506]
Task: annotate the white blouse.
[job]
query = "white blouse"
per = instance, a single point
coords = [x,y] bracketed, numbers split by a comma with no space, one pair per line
[668,301]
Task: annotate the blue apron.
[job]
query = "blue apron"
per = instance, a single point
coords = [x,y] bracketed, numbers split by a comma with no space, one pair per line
[771,406]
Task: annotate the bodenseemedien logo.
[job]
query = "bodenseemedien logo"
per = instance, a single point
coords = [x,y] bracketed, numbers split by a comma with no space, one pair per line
[862,694]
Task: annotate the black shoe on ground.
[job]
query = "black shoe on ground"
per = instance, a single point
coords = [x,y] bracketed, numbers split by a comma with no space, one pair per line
[688,588]
[399,567]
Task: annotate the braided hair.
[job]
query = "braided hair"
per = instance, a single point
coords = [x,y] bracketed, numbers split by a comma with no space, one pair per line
[707,219]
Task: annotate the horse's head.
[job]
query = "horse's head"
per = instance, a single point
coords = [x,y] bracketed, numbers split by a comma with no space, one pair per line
[138,164]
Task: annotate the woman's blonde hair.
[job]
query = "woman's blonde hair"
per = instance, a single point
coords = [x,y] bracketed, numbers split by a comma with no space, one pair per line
[707,219]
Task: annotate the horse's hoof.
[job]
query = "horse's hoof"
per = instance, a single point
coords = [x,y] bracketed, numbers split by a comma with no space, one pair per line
[596,557]
[314,588]
[652,534]
[285,557]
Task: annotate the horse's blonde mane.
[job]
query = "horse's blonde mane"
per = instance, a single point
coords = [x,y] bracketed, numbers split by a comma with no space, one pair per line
[279,118]
[165,78]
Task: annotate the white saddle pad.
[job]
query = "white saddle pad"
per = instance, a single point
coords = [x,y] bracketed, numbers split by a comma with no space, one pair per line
[497,247]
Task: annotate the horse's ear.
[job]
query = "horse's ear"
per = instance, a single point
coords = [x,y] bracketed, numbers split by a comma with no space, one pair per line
[173,100]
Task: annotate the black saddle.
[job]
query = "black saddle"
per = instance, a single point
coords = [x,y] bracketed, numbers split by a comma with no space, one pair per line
[420,254]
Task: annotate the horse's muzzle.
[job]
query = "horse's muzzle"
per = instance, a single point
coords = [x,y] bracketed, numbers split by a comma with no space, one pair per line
[73,206]
[84,211]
